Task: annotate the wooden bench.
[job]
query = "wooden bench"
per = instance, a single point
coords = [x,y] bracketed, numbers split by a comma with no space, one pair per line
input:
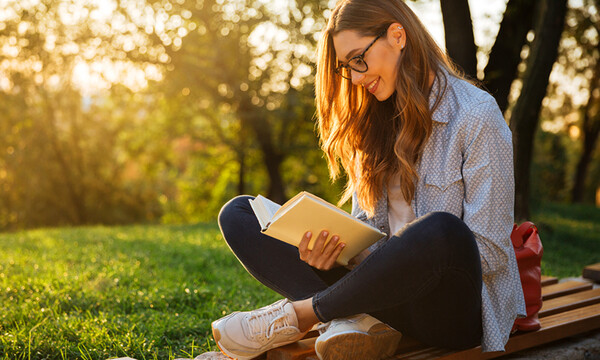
[570,308]
[592,272]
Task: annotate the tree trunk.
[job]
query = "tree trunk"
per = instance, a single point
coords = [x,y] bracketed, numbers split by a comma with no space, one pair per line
[79,211]
[501,69]
[590,138]
[591,130]
[458,28]
[524,119]
[272,158]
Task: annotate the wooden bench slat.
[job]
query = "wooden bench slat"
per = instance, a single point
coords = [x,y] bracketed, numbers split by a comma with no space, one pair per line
[554,327]
[422,354]
[564,288]
[592,272]
[559,326]
[408,344]
[569,302]
[549,280]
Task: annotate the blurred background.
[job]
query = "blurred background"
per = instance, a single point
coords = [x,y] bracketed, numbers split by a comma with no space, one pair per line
[143,111]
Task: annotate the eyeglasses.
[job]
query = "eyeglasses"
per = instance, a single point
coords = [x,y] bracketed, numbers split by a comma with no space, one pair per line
[357,63]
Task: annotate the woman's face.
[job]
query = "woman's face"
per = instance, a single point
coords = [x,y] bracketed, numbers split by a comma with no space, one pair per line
[381,58]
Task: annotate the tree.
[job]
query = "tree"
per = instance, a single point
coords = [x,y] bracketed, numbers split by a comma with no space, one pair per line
[525,115]
[63,140]
[222,62]
[591,130]
[505,56]
[458,29]
[501,72]
[583,28]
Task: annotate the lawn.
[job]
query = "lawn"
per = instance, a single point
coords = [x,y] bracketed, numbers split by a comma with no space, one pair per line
[571,238]
[151,291]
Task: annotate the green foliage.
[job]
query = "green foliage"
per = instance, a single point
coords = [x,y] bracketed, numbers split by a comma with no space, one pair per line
[549,167]
[250,63]
[593,188]
[65,155]
[573,112]
[225,105]
[226,115]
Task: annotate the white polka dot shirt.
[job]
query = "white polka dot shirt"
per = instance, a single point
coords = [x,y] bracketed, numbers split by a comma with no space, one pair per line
[467,169]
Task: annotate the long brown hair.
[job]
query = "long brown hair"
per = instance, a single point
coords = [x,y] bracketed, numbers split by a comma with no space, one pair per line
[375,140]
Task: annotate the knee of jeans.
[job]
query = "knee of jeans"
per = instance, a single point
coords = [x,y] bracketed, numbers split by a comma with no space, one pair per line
[228,214]
[451,227]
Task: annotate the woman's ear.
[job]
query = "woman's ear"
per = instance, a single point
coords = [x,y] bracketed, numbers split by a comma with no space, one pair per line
[396,35]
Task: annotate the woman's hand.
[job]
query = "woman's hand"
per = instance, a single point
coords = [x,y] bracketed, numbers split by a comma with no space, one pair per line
[323,255]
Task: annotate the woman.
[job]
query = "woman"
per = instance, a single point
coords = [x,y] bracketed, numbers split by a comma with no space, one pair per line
[429,159]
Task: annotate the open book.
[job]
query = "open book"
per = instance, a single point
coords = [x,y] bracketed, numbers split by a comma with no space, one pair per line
[307,212]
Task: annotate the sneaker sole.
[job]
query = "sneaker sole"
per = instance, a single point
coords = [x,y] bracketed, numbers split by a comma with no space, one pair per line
[381,342]
[217,336]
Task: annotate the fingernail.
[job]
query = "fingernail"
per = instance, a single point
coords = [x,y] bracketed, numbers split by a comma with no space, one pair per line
[325,233]
[343,245]
[308,234]
[335,238]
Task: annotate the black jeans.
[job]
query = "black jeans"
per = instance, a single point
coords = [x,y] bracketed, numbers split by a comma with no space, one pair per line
[425,281]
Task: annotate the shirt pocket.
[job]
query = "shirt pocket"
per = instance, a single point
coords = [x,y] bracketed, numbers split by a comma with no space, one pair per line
[444,191]
[444,179]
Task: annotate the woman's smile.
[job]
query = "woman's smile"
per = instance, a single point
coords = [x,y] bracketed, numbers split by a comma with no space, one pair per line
[372,86]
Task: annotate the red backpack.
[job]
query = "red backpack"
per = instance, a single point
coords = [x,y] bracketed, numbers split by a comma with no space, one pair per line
[529,250]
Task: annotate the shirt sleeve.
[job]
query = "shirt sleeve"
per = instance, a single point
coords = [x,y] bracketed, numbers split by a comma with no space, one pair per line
[488,177]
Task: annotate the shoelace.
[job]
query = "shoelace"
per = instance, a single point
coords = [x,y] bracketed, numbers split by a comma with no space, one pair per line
[266,322]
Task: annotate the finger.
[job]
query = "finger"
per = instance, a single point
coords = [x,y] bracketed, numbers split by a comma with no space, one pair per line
[317,249]
[320,242]
[336,253]
[330,246]
[328,256]
[303,245]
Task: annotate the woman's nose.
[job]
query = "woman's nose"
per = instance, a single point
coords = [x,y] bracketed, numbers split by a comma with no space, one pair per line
[356,77]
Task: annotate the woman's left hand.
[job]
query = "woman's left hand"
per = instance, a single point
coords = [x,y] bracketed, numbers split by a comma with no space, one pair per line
[324,253]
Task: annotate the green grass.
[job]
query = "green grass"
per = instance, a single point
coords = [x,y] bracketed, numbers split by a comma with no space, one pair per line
[150,292]
[570,235]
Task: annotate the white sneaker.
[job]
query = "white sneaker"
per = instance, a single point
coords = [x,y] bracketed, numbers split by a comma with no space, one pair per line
[246,335]
[358,337]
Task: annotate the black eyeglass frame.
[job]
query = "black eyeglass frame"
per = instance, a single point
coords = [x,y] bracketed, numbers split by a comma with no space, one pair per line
[360,56]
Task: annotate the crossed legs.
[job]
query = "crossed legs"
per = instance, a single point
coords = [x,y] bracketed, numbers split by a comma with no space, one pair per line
[424,281]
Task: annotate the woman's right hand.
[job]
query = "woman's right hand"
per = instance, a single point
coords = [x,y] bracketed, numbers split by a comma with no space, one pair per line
[323,255]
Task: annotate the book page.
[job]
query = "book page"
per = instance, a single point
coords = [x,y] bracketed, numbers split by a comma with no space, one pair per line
[271,207]
[263,209]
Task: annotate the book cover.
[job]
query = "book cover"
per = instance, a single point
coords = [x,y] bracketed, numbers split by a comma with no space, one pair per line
[307,212]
